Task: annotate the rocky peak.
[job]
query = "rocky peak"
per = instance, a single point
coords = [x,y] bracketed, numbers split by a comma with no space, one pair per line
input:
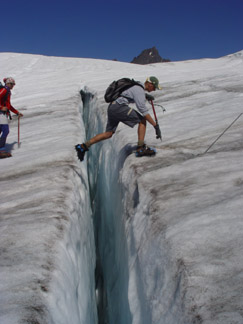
[148,56]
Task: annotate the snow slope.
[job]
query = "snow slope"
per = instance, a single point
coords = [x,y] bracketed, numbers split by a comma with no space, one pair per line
[170,227]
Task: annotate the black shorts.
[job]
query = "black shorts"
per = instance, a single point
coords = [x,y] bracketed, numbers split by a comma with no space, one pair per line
[121,113]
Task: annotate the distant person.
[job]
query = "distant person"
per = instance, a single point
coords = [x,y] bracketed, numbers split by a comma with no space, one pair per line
[119,111]
[5,108]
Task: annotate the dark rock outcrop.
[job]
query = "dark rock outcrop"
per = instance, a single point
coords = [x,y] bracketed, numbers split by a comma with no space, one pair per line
[148,56]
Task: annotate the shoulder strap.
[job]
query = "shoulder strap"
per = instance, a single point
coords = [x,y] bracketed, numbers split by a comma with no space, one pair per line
[134,84]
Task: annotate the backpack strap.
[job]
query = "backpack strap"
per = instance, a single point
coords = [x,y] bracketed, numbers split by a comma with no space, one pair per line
[137,83]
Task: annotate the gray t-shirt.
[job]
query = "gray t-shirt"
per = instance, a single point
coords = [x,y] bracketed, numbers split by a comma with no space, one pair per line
[135,95]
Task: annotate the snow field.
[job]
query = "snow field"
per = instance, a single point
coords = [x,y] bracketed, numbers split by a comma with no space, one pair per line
[170,226]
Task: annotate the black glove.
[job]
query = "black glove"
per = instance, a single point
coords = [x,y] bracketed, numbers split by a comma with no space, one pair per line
[149,97]
[158,131]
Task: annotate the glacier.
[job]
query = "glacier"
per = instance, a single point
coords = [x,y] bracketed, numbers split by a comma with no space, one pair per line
[117,239]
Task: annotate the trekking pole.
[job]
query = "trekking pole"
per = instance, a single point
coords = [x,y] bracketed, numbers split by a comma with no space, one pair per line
[155,117]
[223,133]
[18,131]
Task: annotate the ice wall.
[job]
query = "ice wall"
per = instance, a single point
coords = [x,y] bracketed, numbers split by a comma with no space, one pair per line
[72,292]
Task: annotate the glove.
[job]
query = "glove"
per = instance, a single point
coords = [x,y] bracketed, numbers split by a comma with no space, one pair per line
[149,97]
[158,131]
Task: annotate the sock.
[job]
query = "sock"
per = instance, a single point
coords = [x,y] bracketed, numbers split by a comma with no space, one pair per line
[88,144]
[140,143]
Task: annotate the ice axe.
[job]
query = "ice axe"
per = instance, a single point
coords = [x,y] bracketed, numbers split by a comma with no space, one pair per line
[157,123]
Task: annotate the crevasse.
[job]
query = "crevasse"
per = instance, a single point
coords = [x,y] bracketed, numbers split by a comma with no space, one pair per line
[108,217]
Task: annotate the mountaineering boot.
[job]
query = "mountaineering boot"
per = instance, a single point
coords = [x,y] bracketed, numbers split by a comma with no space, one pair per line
[144,150]
[81,149]
[4,154]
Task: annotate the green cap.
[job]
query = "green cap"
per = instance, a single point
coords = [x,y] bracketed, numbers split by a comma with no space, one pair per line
[155,82]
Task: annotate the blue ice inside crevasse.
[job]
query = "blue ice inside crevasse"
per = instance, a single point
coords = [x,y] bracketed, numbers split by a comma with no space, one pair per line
[109,221]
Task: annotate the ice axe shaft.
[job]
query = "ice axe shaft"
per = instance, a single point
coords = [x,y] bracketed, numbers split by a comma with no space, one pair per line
[18,131]
[155,117]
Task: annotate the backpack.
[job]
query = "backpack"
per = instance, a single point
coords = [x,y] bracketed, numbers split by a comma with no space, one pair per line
[7,93]
[5,99]
[117,87]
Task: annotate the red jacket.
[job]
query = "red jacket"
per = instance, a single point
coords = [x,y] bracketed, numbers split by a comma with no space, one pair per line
[5,101]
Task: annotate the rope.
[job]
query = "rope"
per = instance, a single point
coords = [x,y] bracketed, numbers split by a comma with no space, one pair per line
[222,133]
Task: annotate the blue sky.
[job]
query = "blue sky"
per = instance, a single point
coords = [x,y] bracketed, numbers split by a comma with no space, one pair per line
[180,29]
